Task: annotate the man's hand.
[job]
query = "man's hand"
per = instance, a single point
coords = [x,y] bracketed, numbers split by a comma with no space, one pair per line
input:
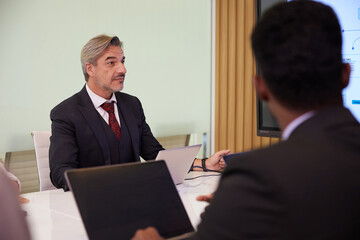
[205,198]
[16,185]
[23,200]
[150,233]
[216,161]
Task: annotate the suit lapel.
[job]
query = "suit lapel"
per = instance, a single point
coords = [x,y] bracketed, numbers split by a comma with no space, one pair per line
[130,121]
[91,115]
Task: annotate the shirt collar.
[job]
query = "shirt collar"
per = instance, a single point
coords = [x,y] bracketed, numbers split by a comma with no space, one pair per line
[295,123]
[97,100]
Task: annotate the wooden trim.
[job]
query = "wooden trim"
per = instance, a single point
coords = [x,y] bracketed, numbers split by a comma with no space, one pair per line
[235,97]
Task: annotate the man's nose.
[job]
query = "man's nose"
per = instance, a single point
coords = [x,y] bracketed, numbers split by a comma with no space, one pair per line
[121,68]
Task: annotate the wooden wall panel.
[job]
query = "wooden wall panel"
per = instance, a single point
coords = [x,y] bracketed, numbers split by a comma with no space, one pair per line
[235,97]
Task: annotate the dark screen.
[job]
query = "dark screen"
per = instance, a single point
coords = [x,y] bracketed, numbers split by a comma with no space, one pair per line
[266,123]
[114,201]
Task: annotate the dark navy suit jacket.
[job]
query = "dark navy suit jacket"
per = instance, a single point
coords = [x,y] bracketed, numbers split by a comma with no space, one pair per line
[307,187]
[78,138]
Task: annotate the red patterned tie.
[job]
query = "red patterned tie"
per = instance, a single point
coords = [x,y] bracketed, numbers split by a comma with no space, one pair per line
[113,123]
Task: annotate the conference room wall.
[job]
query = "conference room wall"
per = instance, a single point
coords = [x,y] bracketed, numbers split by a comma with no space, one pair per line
[167,44]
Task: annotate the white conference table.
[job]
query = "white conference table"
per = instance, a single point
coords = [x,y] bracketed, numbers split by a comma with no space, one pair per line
[53,214]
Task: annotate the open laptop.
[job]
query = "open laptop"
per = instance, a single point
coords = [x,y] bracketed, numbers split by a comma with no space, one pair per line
[179,160]
[114,201]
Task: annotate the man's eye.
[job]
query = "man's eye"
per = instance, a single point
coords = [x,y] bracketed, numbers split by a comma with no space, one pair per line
[110,63]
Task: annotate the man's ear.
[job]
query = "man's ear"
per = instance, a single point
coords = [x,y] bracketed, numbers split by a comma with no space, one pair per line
[345,75]
[261,88]
[89,69]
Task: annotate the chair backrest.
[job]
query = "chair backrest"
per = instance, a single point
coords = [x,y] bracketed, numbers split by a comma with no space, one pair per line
[42,144]
[176,141]
[23,165]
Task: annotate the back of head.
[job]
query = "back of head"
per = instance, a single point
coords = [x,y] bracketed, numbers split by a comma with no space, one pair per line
[297,46]
[94,48]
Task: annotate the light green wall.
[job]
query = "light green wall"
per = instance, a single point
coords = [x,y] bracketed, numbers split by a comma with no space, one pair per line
[167,44]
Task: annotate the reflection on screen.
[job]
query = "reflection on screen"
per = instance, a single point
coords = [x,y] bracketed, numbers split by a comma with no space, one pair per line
[348,12]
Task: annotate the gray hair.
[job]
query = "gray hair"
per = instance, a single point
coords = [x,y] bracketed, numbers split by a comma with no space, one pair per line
[94,48]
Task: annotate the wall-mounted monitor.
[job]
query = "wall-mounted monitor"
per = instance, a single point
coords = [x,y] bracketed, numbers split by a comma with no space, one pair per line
[348,13]
[266,123]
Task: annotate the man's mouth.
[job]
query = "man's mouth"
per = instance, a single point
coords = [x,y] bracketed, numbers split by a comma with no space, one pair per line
[120,77]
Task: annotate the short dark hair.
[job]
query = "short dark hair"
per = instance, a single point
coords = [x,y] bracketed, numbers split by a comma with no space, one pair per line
[297,46]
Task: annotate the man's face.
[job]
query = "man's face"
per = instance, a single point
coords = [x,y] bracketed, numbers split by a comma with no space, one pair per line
[109,73]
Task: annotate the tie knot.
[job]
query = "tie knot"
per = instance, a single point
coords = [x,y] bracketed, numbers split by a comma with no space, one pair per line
[108,107]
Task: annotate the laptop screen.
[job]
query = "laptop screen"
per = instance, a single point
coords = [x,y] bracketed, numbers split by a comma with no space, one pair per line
[114,201]
[179,160]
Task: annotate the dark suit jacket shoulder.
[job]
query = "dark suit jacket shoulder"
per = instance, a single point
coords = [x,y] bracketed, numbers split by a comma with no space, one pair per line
[306,187]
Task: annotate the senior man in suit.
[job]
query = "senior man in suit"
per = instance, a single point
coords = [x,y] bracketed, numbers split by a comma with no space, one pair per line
[308,185]
[101,125]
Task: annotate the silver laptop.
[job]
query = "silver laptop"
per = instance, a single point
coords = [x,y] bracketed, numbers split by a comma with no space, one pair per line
[114,201]
[179,160]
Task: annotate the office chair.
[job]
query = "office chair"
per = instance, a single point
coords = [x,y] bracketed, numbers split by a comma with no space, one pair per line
[42,144]
[176,141]
[23,165]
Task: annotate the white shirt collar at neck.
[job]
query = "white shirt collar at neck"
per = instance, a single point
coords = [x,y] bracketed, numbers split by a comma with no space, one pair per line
[97,100]
[295,123]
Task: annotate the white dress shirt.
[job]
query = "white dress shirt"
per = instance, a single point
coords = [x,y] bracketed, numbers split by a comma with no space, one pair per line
[295,123]
[98,101]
